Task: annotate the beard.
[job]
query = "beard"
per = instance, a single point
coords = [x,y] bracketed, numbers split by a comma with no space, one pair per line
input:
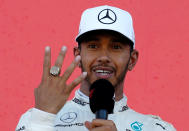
[121,77]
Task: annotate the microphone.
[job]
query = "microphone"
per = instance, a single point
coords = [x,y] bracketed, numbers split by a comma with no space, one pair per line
[101,98]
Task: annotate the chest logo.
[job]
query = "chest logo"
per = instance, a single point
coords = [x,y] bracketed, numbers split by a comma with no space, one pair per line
[136,126]
[68,117]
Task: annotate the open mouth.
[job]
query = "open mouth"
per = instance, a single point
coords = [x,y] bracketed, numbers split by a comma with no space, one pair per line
[103,72]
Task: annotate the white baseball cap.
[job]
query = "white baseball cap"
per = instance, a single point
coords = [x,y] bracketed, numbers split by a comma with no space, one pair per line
[107,18]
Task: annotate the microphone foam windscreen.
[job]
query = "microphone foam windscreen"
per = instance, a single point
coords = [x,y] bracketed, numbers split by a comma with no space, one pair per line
[101,96]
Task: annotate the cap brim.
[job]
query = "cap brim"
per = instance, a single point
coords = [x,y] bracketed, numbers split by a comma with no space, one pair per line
[80,36]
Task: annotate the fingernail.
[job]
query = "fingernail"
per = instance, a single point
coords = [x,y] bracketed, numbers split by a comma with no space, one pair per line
[84,74]
[64,48]
[47,48]
[78,58]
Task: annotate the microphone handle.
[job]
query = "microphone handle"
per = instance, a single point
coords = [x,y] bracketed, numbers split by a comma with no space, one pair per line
[102,114]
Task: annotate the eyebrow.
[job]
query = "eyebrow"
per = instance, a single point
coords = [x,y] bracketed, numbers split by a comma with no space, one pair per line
[123,41]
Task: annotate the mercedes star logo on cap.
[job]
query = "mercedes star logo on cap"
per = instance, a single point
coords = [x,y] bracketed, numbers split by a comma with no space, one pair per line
[107,16]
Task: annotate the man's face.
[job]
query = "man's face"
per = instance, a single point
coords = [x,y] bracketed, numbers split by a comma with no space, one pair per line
[105,56]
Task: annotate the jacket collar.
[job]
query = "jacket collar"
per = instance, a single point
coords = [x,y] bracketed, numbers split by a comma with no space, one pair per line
[83,100]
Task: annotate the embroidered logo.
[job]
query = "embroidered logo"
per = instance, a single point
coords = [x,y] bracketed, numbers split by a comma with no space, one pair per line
[160,126]
[78,101]
[21,128]
[68,117]
[124,108]
[136,126]
[107,16]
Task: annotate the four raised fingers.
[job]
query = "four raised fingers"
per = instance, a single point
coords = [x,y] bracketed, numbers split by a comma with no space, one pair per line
[59,62]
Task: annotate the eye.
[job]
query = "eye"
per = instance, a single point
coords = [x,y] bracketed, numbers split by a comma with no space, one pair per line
[116,46]
[92,46]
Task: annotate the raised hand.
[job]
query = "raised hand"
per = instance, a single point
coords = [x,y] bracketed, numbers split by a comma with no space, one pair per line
[53,92]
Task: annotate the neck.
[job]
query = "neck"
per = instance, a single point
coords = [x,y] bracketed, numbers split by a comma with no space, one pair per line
[84,88]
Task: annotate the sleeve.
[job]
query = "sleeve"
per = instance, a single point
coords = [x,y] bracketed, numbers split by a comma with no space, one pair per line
[162,125]
[36,120]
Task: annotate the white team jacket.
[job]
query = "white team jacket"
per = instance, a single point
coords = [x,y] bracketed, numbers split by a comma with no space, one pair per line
[73,115]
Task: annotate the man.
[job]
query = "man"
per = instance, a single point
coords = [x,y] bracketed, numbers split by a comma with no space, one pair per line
[106,50]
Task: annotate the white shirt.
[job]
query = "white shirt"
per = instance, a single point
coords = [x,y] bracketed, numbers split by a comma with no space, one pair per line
[75,112]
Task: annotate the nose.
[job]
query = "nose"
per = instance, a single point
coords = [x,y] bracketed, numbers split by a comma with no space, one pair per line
[103,57]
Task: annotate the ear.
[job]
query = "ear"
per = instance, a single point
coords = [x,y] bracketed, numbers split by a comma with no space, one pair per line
[133,60]
[76,52]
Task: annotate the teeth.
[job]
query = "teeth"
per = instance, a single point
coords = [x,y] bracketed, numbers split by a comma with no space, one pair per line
[103,71]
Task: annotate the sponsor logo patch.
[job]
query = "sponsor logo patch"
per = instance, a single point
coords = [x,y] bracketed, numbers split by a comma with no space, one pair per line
[136,126]
[68,117]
